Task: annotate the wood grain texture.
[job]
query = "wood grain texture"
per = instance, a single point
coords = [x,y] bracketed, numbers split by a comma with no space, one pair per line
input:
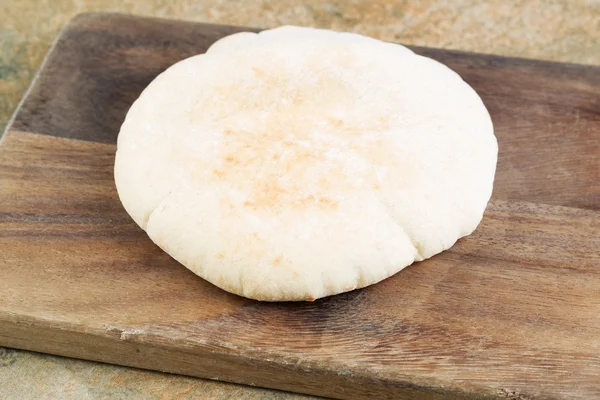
[510,311]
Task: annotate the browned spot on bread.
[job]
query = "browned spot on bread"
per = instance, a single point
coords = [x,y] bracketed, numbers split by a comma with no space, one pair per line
[259,73]
[270,194]
[327,202]
[230,158]
[385,122]
[310,298]
[218,173]
[376,186]
[220,256]
[277,260]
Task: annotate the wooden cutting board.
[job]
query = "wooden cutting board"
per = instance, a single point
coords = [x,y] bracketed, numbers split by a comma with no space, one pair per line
[512,311]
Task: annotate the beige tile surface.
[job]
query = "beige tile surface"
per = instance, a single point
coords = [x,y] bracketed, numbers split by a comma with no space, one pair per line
[28,376]
[559,30]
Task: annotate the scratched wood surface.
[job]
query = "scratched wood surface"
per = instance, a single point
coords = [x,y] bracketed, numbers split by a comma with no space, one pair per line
[513,311]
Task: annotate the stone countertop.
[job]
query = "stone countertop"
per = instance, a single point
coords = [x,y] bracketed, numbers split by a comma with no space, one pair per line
[558,30]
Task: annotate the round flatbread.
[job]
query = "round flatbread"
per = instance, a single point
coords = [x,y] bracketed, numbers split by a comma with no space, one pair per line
[299,163]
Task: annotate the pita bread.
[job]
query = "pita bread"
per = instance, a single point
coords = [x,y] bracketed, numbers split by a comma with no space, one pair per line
[299,163]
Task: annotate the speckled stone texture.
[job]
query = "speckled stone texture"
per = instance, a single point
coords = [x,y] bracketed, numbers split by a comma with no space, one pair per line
[559,30]
[27,376]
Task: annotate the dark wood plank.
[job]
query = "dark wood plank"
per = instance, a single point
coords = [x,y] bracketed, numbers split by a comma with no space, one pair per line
[546,114]
[99,65]
[511,311]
